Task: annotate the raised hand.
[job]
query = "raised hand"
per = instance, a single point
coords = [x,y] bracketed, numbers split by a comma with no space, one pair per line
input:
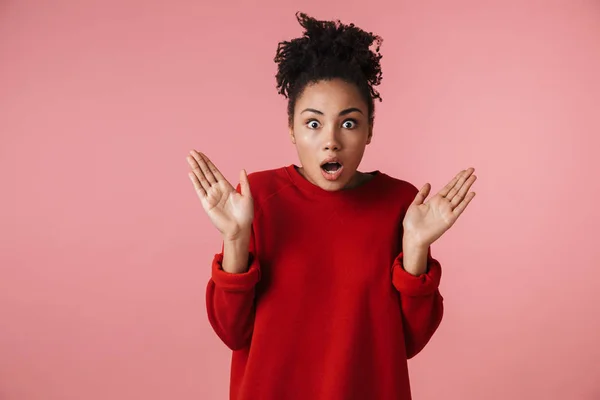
[229,211]
[426,221]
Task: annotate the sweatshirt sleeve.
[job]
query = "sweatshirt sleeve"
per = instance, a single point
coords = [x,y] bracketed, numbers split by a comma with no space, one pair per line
[230,301]
[420,301]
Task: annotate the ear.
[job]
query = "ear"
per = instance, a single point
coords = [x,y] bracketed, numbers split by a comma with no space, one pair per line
[292,136]
[370,132]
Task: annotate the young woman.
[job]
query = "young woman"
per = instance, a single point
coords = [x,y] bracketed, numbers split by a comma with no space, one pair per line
[325,285]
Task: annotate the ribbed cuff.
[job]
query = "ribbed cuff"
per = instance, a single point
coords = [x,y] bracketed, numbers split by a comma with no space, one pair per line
[411,285]
[235,282]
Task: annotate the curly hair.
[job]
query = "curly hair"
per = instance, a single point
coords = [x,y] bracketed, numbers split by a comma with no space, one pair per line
[328,50]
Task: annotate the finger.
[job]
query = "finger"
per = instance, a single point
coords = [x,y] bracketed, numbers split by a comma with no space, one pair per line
[202,164]
[463,191]
[446,189]
[216,174]
[199,189]
[463,204]
[461,180]
[422,195]
[245,184]
[215,171]
[198,173]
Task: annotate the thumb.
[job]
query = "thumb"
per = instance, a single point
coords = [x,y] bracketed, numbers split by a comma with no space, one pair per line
[245,184]
[422,195]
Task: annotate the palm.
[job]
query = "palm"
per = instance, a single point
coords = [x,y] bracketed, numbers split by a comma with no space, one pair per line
[427,221]
[230,211]
[227,209]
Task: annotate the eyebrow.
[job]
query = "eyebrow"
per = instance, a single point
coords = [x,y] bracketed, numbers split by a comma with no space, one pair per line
[342,113]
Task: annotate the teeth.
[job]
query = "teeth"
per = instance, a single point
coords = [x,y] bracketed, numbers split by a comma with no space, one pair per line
[331,167]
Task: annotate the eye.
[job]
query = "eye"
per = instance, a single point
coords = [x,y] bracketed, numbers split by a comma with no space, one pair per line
[313,124]
[349,124]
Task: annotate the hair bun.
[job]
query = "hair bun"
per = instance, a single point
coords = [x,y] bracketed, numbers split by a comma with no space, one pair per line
[345,42]
[326,44]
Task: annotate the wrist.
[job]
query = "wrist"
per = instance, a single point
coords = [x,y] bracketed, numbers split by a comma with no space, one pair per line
[240,236]
[411,241]
[235,251]
[415,256]
[235,255]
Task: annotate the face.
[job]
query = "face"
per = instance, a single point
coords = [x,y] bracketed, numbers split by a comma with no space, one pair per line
[331,129]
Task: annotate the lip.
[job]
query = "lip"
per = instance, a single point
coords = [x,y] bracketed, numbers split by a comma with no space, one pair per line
[328,176]
[331,159]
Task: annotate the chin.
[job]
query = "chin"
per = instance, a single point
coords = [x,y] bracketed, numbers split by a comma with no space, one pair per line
[332,186]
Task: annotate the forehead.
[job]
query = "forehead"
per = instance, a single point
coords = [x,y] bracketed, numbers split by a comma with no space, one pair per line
[330,95]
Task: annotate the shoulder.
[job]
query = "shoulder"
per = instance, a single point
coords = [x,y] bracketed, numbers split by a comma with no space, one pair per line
[266,183]
[398,187]
[268,180]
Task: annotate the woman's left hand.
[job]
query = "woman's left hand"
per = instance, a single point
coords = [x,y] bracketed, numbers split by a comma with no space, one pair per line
[426,221]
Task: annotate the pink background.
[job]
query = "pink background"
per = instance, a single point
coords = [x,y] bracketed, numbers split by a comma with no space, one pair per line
[105,249]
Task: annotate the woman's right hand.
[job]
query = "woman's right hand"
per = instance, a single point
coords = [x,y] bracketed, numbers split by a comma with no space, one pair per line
[230,212]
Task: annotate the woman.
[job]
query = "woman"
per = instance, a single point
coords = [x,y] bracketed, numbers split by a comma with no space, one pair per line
[325,285]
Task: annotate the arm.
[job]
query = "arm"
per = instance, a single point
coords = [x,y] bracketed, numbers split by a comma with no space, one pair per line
[420,300]
[416,275]
[235,271]
[230,292]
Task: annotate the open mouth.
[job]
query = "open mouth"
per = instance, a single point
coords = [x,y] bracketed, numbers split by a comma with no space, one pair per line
[331,167]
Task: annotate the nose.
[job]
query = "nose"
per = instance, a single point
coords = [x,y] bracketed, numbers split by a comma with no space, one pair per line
[331,139]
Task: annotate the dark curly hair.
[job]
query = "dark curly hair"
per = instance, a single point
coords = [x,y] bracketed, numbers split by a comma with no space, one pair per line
[328,50]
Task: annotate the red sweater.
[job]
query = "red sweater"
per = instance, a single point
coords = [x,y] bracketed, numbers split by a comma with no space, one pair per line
[325,310]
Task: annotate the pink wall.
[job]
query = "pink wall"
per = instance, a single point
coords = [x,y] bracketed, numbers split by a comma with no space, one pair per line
[104,247]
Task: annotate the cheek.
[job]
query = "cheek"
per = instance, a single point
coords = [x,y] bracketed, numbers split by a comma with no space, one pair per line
[357,140]
[304,147]
[307,140]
